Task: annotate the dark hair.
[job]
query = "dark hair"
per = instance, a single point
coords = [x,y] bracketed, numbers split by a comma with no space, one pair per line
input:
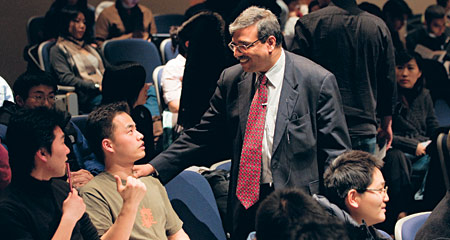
[442,3]
[99,126]
[351,170]
[312,4]
[291,214]
[30,79]
[396,9]
[371,8]
[434,12]
[28,131]
[123,82]
[81,4]
[66,16]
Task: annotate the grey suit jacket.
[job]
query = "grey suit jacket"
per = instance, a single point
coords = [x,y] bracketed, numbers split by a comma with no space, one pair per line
[310,128]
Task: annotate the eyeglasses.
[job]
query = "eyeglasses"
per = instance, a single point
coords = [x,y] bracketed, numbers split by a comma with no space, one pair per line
[241,47]
[380,190]
[40,98]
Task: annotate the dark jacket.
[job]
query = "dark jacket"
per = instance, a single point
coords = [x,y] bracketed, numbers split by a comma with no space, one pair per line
[355,231]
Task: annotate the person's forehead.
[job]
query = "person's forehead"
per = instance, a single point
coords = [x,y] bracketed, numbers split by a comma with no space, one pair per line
[377,178]
[248,34]
[122,120]
[41,89]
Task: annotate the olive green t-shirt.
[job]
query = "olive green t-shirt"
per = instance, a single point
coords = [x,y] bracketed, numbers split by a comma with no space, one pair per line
[155,218]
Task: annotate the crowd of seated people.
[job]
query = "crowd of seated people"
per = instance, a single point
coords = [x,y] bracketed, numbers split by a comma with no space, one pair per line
[109,198]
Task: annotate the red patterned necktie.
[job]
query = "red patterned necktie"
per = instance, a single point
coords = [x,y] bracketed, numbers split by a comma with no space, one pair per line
[250,165]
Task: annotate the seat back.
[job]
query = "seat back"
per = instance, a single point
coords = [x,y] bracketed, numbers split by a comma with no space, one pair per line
[157,74]
[80,121]
[35,30]
[142,52]
[44,55]
[165,21]
[407,227]
[166,50]
[193,201]
[443,150]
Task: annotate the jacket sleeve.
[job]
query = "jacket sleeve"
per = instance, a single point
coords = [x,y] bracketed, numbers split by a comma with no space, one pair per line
[332,132]
[65,73]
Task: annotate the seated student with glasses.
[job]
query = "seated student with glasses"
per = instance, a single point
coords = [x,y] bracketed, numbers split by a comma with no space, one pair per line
[356,192]
[38,89]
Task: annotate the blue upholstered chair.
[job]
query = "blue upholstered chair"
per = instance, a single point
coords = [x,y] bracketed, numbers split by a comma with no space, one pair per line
[164,21]
[136,50]
[193,200]
[166,50]
[407,227]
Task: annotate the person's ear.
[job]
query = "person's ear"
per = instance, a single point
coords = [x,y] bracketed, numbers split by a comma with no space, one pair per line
[353,198]
[20,101]
[42,155]
[272,42]
[108,145]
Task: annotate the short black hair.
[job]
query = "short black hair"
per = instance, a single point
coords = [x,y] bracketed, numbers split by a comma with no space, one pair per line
[28,131]
[99,126]
[351,170]
[442,3]
[371,8]
[396,9]
[291,214]
[30,79]
[434,12]
[123,82]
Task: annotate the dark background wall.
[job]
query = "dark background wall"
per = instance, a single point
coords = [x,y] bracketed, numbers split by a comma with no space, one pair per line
[15,13]
[13,19]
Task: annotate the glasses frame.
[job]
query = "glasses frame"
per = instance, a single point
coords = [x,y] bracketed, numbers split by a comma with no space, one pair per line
[41,98]
[380,190]
[242,47]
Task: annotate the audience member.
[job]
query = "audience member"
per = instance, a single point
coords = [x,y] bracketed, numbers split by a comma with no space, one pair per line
[371,8]
[126,82]
[395,13]
[172,74]
[324,3]
[54,16]
[5,170]
[37,89]
[76,63]
[444,3]
[436,226]
[356,193]
[5,92]
[141,207]
[298,143]
[206,57]
[291,214]
[313,6]
[432,36]
[342,38]
[414,121]
[289,27]
[125,19]
[36,205]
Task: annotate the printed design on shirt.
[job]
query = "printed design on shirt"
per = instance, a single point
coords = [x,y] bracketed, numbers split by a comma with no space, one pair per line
[147,217]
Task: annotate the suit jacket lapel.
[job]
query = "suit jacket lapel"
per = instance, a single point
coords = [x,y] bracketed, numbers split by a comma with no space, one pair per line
[288,99]
[245,88]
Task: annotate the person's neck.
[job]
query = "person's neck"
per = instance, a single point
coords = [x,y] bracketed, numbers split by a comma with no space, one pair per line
[123,171]
[40,175]
[275,55]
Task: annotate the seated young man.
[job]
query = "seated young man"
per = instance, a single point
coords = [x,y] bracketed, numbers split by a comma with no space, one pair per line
[38,89]
[113,137]
[36,206]
[354,183]
[433,35]
[291,214]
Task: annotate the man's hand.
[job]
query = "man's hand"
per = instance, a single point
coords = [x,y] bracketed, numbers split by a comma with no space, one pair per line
[133,192]
[385,133]
[73,207]
[143,170]
[81,177]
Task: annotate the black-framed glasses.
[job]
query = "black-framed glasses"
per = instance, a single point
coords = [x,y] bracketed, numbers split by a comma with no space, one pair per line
[241,47]
[380,190]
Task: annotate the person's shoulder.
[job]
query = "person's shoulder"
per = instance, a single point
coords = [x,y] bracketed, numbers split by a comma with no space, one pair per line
[144,9]
[107,12]
[98,183]
[304,64]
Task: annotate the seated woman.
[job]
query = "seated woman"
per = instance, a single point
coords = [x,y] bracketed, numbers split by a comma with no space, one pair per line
[52,18]
[76,63]
[125,19]
[126,82]
[413,122]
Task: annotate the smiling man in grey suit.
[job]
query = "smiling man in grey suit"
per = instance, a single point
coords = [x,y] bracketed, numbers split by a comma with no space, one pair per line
[277,115]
